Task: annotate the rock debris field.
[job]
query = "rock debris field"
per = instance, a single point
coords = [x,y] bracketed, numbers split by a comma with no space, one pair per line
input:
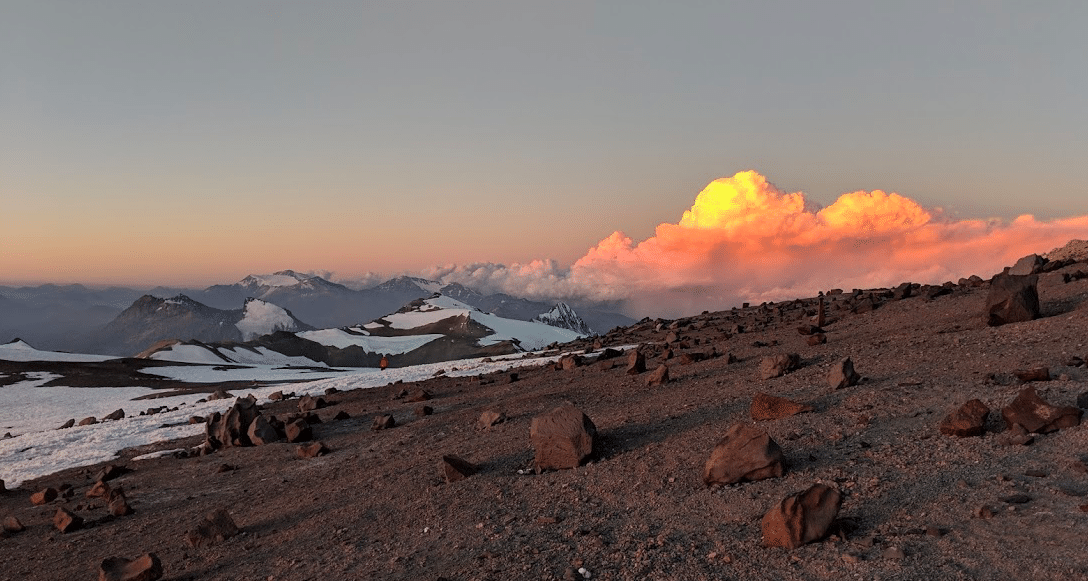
[915,432]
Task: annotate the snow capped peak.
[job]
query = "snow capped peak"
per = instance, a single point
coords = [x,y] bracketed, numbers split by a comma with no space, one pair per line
[564,317]
[277,279]
[263,318]
[410,283]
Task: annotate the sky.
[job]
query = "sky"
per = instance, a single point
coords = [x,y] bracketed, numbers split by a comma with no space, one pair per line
[537,146]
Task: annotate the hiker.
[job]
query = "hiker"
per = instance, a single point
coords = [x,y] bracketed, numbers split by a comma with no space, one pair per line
[384,363]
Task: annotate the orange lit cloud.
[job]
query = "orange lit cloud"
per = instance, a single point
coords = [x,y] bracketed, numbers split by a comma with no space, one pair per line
[744,240]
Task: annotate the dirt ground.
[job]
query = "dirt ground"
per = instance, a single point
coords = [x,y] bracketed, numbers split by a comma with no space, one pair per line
[378,507]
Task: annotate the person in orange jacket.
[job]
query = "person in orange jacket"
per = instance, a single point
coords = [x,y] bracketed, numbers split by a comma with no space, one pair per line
[384,363]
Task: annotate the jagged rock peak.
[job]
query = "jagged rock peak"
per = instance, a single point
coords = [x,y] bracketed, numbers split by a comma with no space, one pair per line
[564,317]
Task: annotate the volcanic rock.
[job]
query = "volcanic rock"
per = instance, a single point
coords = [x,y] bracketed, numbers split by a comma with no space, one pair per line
[118,503]
[1036,415]
[769,407]
[88,421]
[636,363]
[12,525]
[111,471]
[967,420]
[562,438]
[383,422]
[216,527]
[455,468]
[66,521]
[67,424]
[298,431]
[660,376]
[115,415]
[817,339]
[569,362]
[219,394]
[842,374]
[418,396]
[312,450]
[490,418]
[44,496]
[1012,299]
[99,490]
[308,403]
[230,429]
[1030,264]
[146,567]
[778,365]
[801,518]
[342,415]
[1034,374]
[746,453]
[261,432]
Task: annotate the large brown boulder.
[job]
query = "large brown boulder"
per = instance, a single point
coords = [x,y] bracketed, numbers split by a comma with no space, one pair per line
[746,453]
[660,376]
[231,428]
[1012,299]
[146,567]
[261,432]
[636,362]
[802,518]
[967,420]
[562,438]
[44,496]
[778,365]
[1036,415]
[66,521]
[769,407]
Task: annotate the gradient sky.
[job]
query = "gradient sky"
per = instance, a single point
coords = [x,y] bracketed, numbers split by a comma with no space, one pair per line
[191,143]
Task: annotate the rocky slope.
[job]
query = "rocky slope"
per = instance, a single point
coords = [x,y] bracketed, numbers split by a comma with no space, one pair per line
[916,502]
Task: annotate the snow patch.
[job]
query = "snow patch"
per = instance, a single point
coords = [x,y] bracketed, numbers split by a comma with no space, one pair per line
[263,318]
[388,345]
[21,351]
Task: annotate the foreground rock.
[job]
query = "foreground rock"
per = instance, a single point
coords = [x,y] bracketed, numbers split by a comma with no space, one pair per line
[842,375]
[746,453]
[43,496]
[660,376]
[1012,299]
[769,407]
[1036,415]
[232,428]
[778,365]
[455,468]
[967,420]
[562,438]
[216,527]
[802,518]
[66,521]
[146,567]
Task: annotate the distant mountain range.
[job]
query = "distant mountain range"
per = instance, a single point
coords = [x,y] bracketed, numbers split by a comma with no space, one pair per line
[429,330]
[78,319]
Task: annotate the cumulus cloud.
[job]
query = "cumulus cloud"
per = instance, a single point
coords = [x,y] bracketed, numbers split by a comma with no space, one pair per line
[745,240]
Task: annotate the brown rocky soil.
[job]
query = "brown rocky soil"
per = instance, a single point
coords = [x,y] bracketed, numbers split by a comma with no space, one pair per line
[916,504]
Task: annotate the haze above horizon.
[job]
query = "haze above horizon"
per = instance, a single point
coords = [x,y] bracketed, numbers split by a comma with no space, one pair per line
[547,150]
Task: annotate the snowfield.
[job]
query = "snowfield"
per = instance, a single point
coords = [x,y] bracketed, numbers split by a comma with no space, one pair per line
[262,318]
[21,351]
[33,412]
[388,345]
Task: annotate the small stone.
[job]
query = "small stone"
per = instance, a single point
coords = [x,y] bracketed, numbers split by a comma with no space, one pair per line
[99,490]
[12,525]
[423,410]
[660,376]
[985,512]
[311,450]
[842,374]
[383,422]
[1016,499]
[146,567]
[636,363]
[455,468]
[341,416]
[894,554]
[299,431]
[490,418]
[418,396]
[769,407]
[966,421]
[115,415]
[309,403]
[118,503]
[1036,374]
[778,365]
[44,496]
[216,527]
[66,521]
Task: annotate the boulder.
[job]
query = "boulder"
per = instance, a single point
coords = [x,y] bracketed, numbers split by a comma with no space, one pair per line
[490,418]
[842,374]
[341,416]
[967,420]
[636,363]
[383,422]
[311,450]
[115,415]
[423,410]
[1012,299]
[44,496]
[660,376]
[801,518]
[230,429]
[455,468]
[562,438]
[1034,374]
[275,396]
[111,471]
[817,339]
[67,424]
[261,432]
[1036,415]
[769,407]
[569,362]
[298,431]
[903,291]
[88,421]
[778,365]
[146,567]
[219,394]
[216,527]
[418,396]
[746,453]
[12,525]
[1030,264]
[99,490]
[66,521]
[309,403]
